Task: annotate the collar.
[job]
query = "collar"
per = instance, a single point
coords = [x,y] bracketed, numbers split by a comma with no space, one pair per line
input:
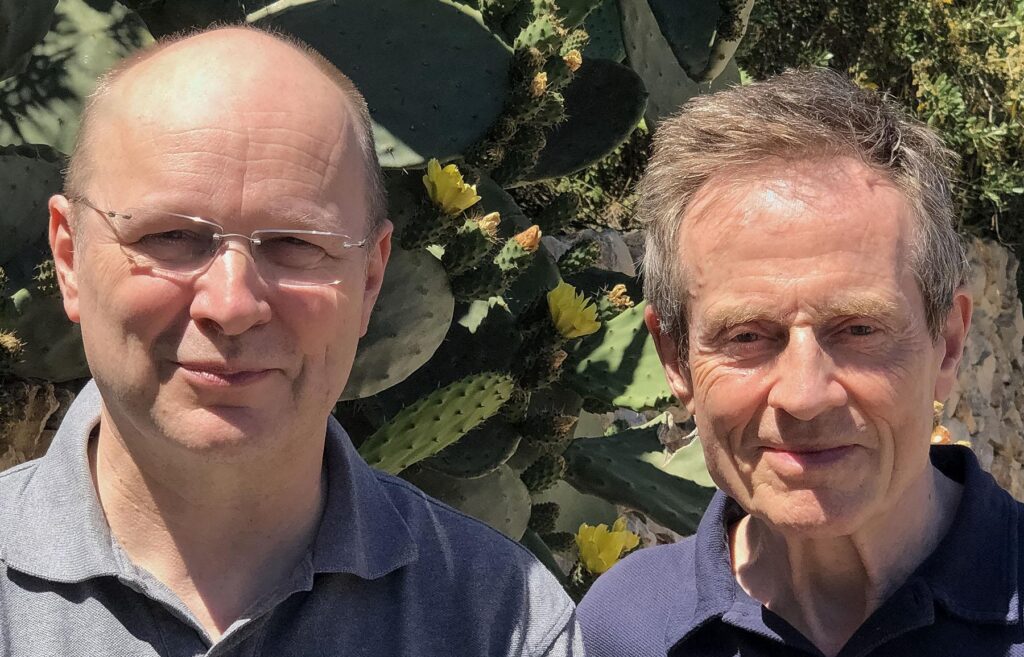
[53,527]
[984,534]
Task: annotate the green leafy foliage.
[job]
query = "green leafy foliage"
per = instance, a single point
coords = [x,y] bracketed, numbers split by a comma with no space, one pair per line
[957,66]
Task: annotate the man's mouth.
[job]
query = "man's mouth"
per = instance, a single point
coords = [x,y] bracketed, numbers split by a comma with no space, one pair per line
[806,458]
[222,374]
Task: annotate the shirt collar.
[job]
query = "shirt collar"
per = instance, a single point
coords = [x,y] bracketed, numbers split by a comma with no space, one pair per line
[984,533]
[973,573]
[52,525]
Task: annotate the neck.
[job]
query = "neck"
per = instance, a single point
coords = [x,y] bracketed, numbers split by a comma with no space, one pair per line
[221,535]
[828,587]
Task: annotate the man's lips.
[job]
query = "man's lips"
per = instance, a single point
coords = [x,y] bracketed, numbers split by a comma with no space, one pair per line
[221,374]
[805,458]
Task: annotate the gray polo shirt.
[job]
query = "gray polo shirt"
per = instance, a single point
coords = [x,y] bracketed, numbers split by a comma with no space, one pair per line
[391,572]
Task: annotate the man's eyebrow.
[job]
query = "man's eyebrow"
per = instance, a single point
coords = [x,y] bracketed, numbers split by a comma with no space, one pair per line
[726,317]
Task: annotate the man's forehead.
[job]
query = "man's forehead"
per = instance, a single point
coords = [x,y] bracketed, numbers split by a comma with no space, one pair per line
[212,75]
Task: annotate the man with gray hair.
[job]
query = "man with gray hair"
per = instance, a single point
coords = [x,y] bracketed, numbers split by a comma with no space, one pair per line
[808,304]
[222,241]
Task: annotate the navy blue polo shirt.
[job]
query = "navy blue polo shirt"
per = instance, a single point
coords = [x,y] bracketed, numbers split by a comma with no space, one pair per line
[683,599]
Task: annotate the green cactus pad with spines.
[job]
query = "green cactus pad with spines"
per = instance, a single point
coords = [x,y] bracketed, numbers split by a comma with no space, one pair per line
[604,27]
[52,344]
[411,60]
[435,421]
[701,36]
[628,468]
[478,453]
[513,257]
[560,541]
[594,126]
[485,281]
[499,499]
[572,13]
[408,324]
[467,249]
[43,104]
[22,24]
[168,17]
[544,33]
[29,174]
[544,472]
[651,56]
[619,365]
[543,517]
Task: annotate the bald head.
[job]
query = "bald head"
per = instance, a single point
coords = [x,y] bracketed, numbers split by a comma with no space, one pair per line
[194,83]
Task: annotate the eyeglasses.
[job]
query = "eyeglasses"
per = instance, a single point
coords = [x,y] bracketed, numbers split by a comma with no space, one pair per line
[182,246]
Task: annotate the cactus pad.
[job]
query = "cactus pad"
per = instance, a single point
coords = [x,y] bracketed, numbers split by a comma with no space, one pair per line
[42,106]
[411,60]
[628,468]
[619,365]
[478,453]
[22,24]
[594,126]
[499,499]
[436,421]
[409,322]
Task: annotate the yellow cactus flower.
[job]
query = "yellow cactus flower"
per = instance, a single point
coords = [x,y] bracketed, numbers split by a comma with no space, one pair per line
[529,239]
[447,189]
[489,224]
[600,549]
[573,60]
[572,314]
[539,84]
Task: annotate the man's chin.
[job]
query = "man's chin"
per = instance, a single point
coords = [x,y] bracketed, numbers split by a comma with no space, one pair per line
[811,514]
[219,432]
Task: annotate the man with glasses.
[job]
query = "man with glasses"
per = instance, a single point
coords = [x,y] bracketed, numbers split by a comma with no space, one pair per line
[222,241]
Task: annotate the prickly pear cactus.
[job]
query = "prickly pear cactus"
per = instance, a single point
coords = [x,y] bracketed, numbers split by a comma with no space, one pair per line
[502,125]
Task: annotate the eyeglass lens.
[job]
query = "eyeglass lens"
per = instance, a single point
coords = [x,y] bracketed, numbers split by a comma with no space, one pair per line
[180,245]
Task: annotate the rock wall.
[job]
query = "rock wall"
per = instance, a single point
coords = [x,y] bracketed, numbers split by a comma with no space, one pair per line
[985,407]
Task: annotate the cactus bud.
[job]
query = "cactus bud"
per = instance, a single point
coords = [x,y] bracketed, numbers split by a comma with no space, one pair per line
[529,239]
[618,297]
[544,473]
[489,224]
[539,84]
[573,59]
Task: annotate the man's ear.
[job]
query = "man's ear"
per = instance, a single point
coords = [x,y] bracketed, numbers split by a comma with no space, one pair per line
[676,371]
[62,244]
[376,262]
[951,341]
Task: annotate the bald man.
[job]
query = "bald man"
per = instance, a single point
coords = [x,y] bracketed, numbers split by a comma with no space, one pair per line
[221,242]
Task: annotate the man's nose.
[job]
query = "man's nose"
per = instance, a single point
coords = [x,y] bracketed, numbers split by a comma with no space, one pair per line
[805,385]
[230,294]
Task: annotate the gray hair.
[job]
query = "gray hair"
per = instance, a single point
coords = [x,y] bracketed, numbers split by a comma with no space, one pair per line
[80,163]
[795,115]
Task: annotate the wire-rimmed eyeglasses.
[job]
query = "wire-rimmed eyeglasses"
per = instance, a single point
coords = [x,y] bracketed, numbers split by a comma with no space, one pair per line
[183,246]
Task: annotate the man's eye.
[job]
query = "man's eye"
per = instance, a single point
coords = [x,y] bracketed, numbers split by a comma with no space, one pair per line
[172,236]
[746,337]
[861,329]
